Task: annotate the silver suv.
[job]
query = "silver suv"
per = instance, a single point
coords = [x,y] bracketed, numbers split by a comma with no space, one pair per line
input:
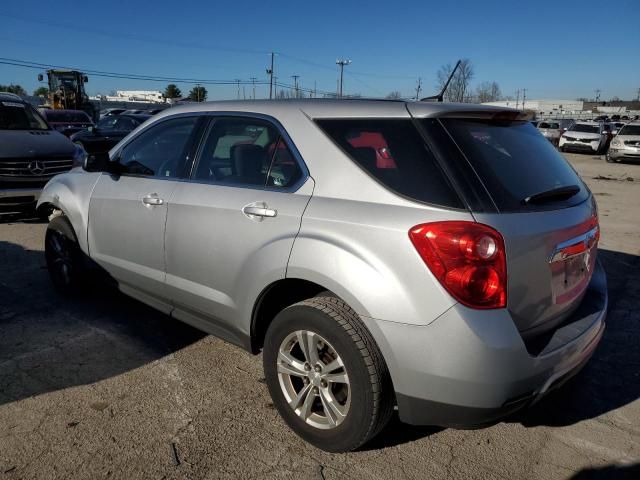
[436,258]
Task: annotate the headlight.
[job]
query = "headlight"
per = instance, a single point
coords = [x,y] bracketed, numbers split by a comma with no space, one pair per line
[79,155]
[616,143]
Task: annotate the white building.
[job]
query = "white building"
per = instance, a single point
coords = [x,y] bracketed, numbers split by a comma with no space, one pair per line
[543,107]
[144,96]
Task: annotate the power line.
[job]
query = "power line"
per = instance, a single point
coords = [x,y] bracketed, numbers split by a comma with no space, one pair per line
[126,76]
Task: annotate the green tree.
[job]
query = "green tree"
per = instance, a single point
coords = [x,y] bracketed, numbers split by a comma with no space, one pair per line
[172,91]
[17,89]
[41,91]
[198,94]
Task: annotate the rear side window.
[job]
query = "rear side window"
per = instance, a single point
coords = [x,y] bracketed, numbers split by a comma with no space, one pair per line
[514,162]
[394,153]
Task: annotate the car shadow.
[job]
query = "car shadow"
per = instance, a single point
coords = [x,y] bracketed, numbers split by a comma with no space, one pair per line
[609,472]
[49,343]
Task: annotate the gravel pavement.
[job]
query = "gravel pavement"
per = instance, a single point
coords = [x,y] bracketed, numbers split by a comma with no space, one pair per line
[105,387]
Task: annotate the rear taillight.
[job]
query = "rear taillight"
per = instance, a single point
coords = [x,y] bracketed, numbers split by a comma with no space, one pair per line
[467,258]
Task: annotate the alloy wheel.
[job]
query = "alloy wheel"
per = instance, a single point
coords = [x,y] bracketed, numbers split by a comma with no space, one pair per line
[313,379]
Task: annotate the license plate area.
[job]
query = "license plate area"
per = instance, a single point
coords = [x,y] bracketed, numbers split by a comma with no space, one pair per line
[572,265]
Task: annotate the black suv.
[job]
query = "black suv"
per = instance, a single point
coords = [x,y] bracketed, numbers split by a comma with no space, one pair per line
[30,154]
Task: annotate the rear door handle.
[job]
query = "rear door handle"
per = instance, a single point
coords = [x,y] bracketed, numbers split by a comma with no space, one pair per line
[259,211]
[152,199]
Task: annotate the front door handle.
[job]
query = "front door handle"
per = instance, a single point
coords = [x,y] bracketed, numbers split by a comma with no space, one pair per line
[259,211]
[152,199]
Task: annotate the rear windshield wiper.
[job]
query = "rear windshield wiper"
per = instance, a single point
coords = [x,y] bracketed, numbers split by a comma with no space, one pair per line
[553,195]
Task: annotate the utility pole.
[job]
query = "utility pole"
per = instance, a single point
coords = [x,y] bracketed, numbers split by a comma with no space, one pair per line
[341,62]
[244,93]
[315,83]
[198,92]
[524,97]
[295,84]
[597,90]
[270,73]
[638,96]
[517,97]
[237,80]
[418,88]
[253,82]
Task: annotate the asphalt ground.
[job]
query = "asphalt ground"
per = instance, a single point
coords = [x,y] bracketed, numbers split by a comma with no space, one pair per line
[104,387]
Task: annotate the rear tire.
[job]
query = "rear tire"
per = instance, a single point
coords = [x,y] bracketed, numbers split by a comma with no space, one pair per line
[362,395]
[64,257]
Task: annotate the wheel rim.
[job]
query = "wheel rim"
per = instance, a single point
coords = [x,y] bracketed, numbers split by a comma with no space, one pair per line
[58,256]
[313,379]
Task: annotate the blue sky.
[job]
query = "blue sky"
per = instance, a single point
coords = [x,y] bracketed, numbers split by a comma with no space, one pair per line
[557,49]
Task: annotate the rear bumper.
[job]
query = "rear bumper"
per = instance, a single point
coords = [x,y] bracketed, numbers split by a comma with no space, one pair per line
[470,368]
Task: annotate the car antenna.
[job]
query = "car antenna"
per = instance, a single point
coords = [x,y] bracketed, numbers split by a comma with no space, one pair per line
[440,97]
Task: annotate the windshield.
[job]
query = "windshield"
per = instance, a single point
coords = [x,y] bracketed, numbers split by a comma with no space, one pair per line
[549,125]
[65,81]
[630,130]
[67,116]
[581,127]
[20,116]
[107,123]
[513,161]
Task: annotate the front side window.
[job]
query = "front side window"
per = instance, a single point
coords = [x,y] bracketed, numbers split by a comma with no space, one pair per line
[125,124]
[246,151]
[160,151]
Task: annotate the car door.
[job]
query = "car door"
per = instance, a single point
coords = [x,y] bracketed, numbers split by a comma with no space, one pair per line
[230,229]
[127,212]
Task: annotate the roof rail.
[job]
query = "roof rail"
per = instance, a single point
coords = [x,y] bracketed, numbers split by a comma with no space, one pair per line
[9,94]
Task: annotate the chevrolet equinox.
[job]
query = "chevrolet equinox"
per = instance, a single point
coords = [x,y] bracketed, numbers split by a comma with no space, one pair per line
[437,259]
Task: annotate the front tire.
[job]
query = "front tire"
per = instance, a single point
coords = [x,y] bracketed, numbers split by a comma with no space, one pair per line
[64,257]
[326,375]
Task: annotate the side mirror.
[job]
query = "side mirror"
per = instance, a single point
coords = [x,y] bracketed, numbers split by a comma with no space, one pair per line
[101,163]
[40,77]
[92,128]
[85,79]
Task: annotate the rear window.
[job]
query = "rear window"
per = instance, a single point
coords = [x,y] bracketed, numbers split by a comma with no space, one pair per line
[394,153]
[20,116]
[514,162]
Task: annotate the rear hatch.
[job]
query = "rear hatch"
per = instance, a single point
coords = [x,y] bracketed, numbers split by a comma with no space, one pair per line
[536,200]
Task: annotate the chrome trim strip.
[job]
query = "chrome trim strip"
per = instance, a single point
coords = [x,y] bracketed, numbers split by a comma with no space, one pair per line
[587,239]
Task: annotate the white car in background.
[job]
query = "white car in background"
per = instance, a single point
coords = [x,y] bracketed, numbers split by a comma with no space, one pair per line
[588,137]
[626,144]
[551,129]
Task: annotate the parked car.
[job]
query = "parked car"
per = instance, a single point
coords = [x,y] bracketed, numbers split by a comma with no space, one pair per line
[458,283]
[626,144]
[551,130]
[589,137]
[107,133]
[615,127]
[30,154]
[153,111]
[67,122]
[107,112]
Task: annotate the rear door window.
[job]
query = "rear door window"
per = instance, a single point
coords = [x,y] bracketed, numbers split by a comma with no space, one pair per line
[514,162]
[394,153]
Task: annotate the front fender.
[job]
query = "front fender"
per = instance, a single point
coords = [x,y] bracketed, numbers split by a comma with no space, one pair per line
[71,193]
